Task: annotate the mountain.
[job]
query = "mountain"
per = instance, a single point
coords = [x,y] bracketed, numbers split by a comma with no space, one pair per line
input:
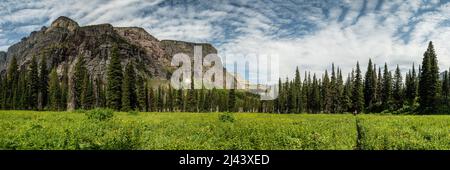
[64,41]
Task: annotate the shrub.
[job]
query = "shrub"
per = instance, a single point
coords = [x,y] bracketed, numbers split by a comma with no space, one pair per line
[100,114]
[226,117]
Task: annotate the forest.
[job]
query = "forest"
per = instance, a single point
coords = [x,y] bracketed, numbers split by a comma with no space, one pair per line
[424,90]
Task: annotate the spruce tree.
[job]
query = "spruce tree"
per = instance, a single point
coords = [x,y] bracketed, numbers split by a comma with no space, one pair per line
[152,100]
[11,84]
[54,91]
[78,81]
[379,90]
[87,93]
[334,91]
[340,91]
[429,82]
[129,97]
[33,84]
[347,94]
[64,88]
[387,88]
[445,89]
[43,85]
[141,94]
[114,77]
[315,95]
[298,92]
[326,93]
[369,87]
[398,89]
[357,95]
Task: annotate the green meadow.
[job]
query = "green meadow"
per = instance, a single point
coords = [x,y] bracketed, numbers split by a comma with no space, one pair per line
[32,130]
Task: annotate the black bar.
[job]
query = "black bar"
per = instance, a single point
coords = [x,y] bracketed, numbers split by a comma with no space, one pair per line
[171,159]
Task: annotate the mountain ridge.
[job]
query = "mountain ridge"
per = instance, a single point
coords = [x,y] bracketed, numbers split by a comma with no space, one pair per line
[64,42]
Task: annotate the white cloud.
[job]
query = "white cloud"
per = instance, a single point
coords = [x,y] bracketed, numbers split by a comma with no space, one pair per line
[252,27]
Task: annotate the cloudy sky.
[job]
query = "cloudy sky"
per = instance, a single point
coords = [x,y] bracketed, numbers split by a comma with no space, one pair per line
[305,33]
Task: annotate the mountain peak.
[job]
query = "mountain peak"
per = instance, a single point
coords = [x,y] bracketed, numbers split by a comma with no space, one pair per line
[65,22]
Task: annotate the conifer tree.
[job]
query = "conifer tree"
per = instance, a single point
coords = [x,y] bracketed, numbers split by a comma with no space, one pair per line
[11,83]
[315,95]
[54,91]
[129,98]
[305,92]
[87,93]
[33,84]
[298,92]
[379,90]
[152,100]
[326,93]
[357,95]
[78,81]
[43,85]
[334,91]
[64,88]
[429,82]
[398,89]
[114,77]
[369,87]
[445,89]
[141,94]
[387,88]
[347,94]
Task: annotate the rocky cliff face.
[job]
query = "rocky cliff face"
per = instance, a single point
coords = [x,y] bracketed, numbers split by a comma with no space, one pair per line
[2,59]
[64,41]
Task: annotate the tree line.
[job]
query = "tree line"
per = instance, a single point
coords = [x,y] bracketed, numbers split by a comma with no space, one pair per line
[425,91]
[378,90]
[40,88]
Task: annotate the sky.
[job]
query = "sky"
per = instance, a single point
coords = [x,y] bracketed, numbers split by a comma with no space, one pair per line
[305,33]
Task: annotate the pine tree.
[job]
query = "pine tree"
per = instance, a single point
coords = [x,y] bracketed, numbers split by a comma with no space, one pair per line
[315,95]
[305,94]
[357,95]
[141,94]
[43,85]
[340,92]
[429,82]
[114,77]
[334,91]
[326,93]
[100,99]
[54,91]
[398,89]
[180,99]
[387,88]
[279,100]
[78,81]
[152,100]
[170,99]
[33,84]
[129,97]
[160,96]
[232,100]
[445,89]
[379,90]
[87,93]
[347,96]
[298,92]
[64,88]
[369,87]
[11,84]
